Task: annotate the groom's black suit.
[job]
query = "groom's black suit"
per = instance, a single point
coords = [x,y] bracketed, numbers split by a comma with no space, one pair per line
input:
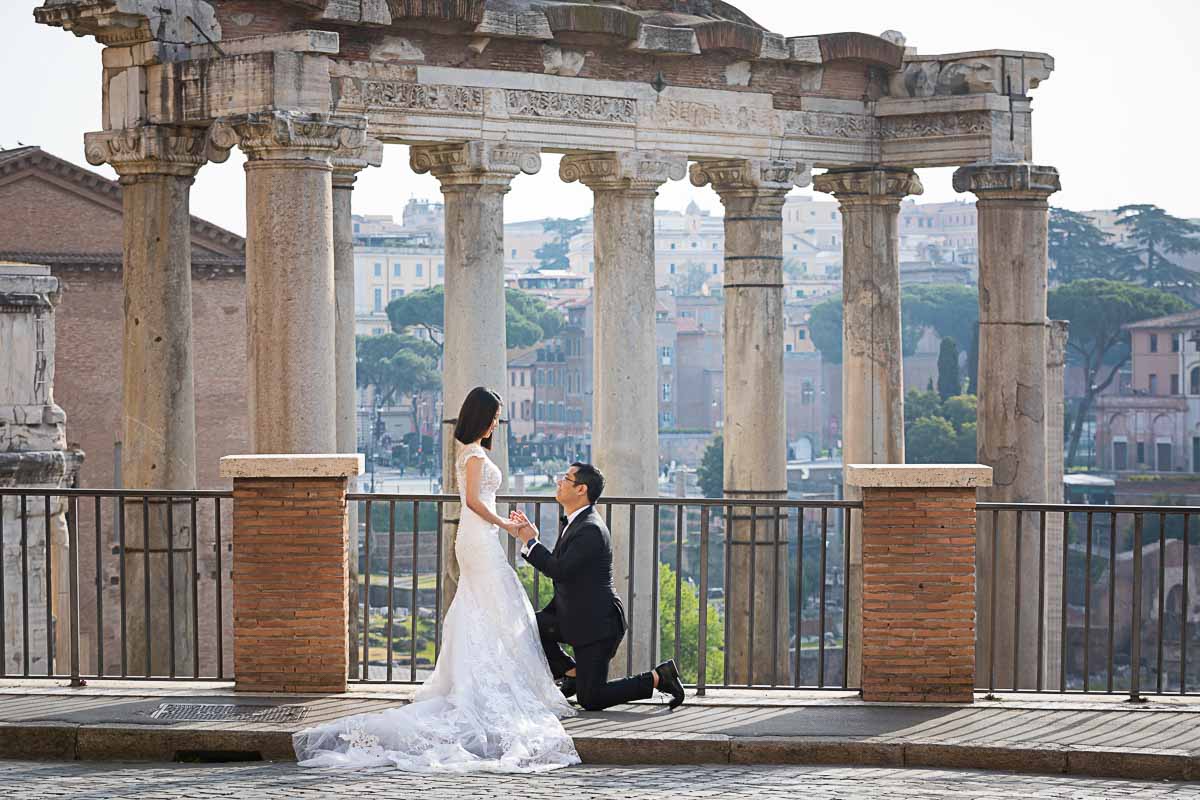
[585,612]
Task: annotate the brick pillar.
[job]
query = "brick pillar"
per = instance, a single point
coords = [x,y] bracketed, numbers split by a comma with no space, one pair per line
[290,609]
[918,623]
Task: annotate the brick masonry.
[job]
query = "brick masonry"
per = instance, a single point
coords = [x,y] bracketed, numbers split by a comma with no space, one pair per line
[918,594]
[290,610]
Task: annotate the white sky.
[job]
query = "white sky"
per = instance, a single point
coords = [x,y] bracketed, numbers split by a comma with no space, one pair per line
[1118,117]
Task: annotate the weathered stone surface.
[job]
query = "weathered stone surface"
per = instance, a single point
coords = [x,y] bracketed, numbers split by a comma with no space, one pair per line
[915,476]
[1013,229]
[755,455]
[1006,72]
[292,465]
[625,415]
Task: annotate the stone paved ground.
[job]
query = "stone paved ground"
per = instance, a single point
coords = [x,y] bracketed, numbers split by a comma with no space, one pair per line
[154,781]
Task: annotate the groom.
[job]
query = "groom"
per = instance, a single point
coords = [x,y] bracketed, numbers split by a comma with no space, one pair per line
[585,611]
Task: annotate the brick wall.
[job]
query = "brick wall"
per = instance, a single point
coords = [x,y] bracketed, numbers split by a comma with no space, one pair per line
[290,610]
[918,628]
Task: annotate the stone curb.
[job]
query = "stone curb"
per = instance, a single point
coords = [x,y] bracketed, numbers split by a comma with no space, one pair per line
[114,742]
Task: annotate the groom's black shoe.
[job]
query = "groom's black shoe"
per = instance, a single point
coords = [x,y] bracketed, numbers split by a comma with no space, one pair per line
[567,685]
[669,683]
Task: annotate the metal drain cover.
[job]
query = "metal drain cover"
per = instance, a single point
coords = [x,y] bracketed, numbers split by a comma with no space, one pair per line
[227,712]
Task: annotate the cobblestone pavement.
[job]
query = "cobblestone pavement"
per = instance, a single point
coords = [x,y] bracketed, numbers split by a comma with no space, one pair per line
[19,779]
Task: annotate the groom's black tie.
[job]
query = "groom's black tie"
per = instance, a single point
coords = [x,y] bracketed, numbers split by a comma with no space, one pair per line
[562,523]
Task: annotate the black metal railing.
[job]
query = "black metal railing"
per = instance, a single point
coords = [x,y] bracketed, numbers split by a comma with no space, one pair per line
[138,579]
[1097,598]
[801,549]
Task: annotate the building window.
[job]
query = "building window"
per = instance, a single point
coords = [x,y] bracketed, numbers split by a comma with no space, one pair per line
[512,378]
[357,227]
[378,270]
[514,252]
[787,348]
[540,412]
[441,270]
[1141,452]
[714,245]
[396,270]
[1153,384]
[1164,457]
[715,269]
[377,331]
[672,245]
[522,377]
[397,293]
[1175,342]
[802,334]
[1174,383]
[420,269]
[1154,343]
[666,392]
[807,393]
[666,353]
[1120,455]
[672,269]
[1194,386]
[379,299]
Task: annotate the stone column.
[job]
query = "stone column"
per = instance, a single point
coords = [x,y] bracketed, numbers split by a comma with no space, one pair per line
[872,345]
[1012,430]
[346,166]
[755,432]
[157,165]
[290,306]
[474,176]
[918,580]
[290,609]
[1056,362]
[625,428]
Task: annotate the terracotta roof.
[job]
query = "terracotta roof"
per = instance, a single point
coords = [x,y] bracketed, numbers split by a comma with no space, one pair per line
[1184,319]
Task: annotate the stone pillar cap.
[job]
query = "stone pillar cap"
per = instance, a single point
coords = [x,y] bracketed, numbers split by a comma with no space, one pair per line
[292,465]
[918,476]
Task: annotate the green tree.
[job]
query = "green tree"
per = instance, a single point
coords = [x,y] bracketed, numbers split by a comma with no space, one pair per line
[921,404]
[930,440]
[949,310]
[528,320]
[1080,250]
[960,410]
[939,431]
[949,383]
[1157,237]
[689,627]
[712,468]
[825,327]
[1098,310]
[398,366]
[553,254]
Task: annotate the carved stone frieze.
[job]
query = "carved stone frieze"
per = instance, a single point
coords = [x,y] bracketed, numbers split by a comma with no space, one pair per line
[288,135]
[1007,181]
[475,163]
[869,186]
[418,97]
[153,150]
[624,171]
[831,125]
[560,105]
[961,123]
[693,116]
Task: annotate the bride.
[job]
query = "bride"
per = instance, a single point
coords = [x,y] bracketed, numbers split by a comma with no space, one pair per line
[491,704]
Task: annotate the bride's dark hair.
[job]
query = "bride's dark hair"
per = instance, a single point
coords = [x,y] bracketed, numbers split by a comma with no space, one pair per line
[476,415]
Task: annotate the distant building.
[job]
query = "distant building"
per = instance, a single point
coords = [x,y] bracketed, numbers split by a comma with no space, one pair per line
[1153,423]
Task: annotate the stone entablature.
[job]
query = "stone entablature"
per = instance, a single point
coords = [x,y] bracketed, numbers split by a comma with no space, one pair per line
[470,70]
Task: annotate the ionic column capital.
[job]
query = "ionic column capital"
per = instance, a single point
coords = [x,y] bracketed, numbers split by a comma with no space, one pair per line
[854,187]
[348,162]
[750,177]
[291,136]
[152,150]
[475,163]
[628,170]
[1023,181]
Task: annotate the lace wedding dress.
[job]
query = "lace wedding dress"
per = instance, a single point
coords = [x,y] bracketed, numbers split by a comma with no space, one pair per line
[491,704]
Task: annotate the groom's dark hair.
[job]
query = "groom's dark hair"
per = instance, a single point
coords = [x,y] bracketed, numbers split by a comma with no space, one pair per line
[590,477]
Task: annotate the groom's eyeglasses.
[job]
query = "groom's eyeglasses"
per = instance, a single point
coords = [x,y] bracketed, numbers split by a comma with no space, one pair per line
[565,477]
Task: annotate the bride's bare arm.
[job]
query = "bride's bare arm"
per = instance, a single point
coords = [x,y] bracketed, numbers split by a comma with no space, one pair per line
[474,475]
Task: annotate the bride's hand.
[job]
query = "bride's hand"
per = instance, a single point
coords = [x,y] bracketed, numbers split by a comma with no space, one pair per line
[510,526]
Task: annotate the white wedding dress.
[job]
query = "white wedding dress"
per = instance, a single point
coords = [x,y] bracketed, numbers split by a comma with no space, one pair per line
[491,704]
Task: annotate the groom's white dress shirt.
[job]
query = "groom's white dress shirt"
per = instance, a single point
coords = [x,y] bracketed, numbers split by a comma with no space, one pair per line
[570,518]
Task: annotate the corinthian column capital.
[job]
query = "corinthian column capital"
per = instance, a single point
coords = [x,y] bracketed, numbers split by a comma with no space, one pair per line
[152,150]
[291,136]
[629,170]
[1007,181]
[751,185]
[869,186]
[475,163]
